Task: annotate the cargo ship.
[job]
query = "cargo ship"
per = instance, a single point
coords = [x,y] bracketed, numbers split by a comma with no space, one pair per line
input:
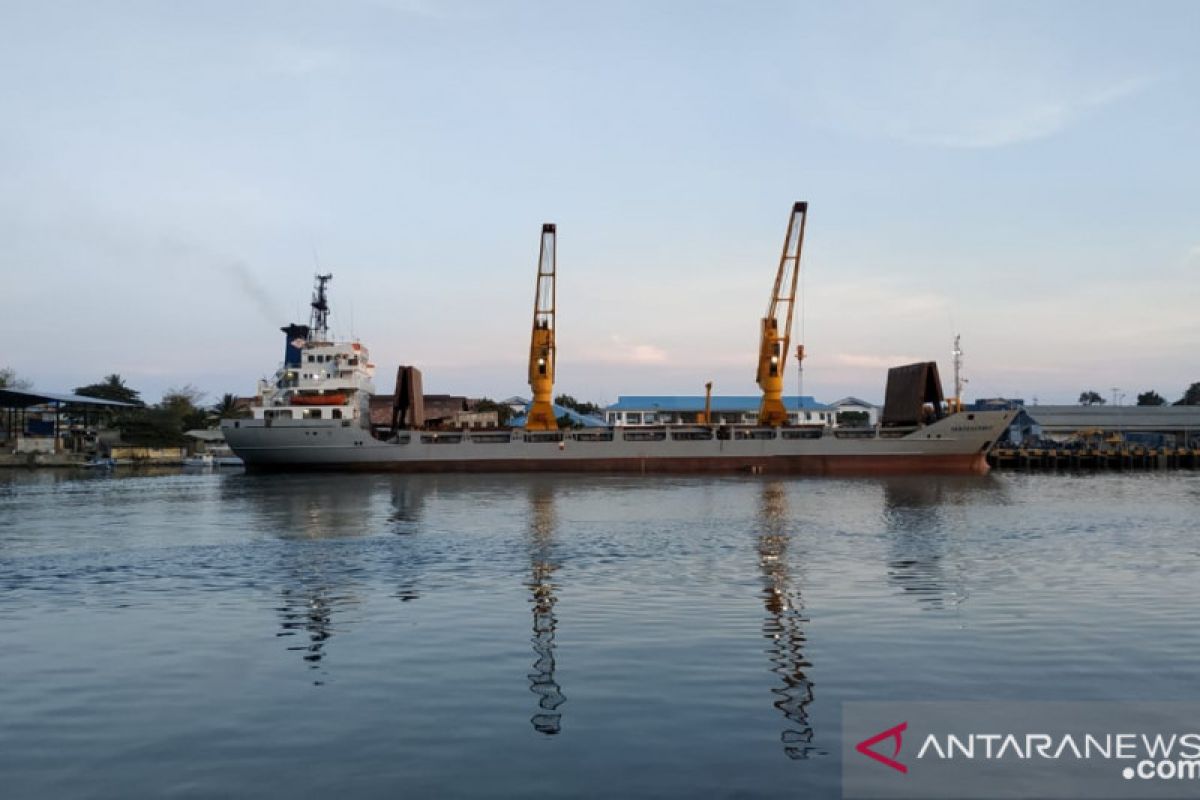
[315,412]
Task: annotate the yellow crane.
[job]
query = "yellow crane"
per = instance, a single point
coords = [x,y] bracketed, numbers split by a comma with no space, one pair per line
[773,346]
[541,341]
[705,417]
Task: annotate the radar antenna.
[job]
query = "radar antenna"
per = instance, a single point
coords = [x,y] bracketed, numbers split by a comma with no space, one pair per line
[319,321]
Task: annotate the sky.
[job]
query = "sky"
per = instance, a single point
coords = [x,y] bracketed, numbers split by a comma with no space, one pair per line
[1026,175]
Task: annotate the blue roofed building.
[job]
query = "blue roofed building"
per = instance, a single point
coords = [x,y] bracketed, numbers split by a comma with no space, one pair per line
[726,409]
[582,420]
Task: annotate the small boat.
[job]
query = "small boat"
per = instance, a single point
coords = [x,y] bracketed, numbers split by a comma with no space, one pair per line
[99,463]
[215,457]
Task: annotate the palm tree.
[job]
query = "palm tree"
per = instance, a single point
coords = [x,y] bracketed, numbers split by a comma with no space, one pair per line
[10,380]
[111,388]
[228,407]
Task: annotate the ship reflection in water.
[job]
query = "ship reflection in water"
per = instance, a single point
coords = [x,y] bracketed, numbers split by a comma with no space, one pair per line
[925,552]
[169,628]
[543,598]
[784,624]
[307,611]
[319,596]
[321,591]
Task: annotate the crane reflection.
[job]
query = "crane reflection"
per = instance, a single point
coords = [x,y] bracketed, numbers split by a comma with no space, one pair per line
[543,597]
[784,624]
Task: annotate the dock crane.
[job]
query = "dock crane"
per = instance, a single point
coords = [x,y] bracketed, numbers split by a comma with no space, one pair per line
[773,346]
[541,341]
[705,417]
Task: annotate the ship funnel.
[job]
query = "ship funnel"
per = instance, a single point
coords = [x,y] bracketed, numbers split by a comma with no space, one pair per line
[295,337]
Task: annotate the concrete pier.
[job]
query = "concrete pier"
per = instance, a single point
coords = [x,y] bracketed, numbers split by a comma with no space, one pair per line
[1095,458]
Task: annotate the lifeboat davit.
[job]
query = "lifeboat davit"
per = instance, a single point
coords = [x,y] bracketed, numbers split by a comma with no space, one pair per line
[332,399]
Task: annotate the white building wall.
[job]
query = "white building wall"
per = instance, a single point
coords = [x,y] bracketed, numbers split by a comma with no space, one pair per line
[650,416]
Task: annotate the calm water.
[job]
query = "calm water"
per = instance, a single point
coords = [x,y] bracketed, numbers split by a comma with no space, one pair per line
[203,635]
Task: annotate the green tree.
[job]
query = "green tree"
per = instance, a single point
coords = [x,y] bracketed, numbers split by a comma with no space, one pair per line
[152,426]
[111,388]
[1091,398]
[503,412]
[1191,397]
[566,422]
[853,418]
[10,380]
[227,408]
[567,401]
[184,403]
[1151,398]
[164,424]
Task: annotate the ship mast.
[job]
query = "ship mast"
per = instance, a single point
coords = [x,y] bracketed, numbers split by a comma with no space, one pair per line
[775,338]
[541,340]
[959,381]
[319,320]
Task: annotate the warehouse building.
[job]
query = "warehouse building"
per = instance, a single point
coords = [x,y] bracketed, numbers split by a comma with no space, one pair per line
[1150,425]
[726,409]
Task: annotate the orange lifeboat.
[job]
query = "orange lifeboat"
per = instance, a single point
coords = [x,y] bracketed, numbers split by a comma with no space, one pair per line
[332,399]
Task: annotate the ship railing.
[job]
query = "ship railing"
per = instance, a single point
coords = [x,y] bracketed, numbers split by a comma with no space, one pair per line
[760,434]
[855,433]
[645,434]
[502,437]
[897,431]
[441,438]
[603,435]
[544,436]
[802,433]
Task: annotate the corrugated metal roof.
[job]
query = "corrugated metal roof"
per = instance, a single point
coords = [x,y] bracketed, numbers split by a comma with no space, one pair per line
[13,398]
[1150,418]
[206,434]
[581,419]
[852,401]
[723,403]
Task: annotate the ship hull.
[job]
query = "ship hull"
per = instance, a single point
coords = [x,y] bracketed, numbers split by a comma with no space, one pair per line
[956,444]
[789,465]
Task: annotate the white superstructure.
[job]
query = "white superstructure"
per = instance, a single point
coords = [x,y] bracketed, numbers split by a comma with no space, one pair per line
[319,378]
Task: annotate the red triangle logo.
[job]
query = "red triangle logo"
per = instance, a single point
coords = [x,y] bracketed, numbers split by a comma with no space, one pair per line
[896,733]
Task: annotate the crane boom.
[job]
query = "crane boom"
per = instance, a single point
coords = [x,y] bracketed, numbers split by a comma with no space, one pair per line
[541,341]
[775,338]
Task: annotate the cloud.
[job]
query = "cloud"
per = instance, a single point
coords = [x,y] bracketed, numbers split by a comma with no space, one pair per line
[433,9]
[620,351]
[866,361]
[297,60]
[887,298]
[1016,123]
[959,77]
[974,111]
